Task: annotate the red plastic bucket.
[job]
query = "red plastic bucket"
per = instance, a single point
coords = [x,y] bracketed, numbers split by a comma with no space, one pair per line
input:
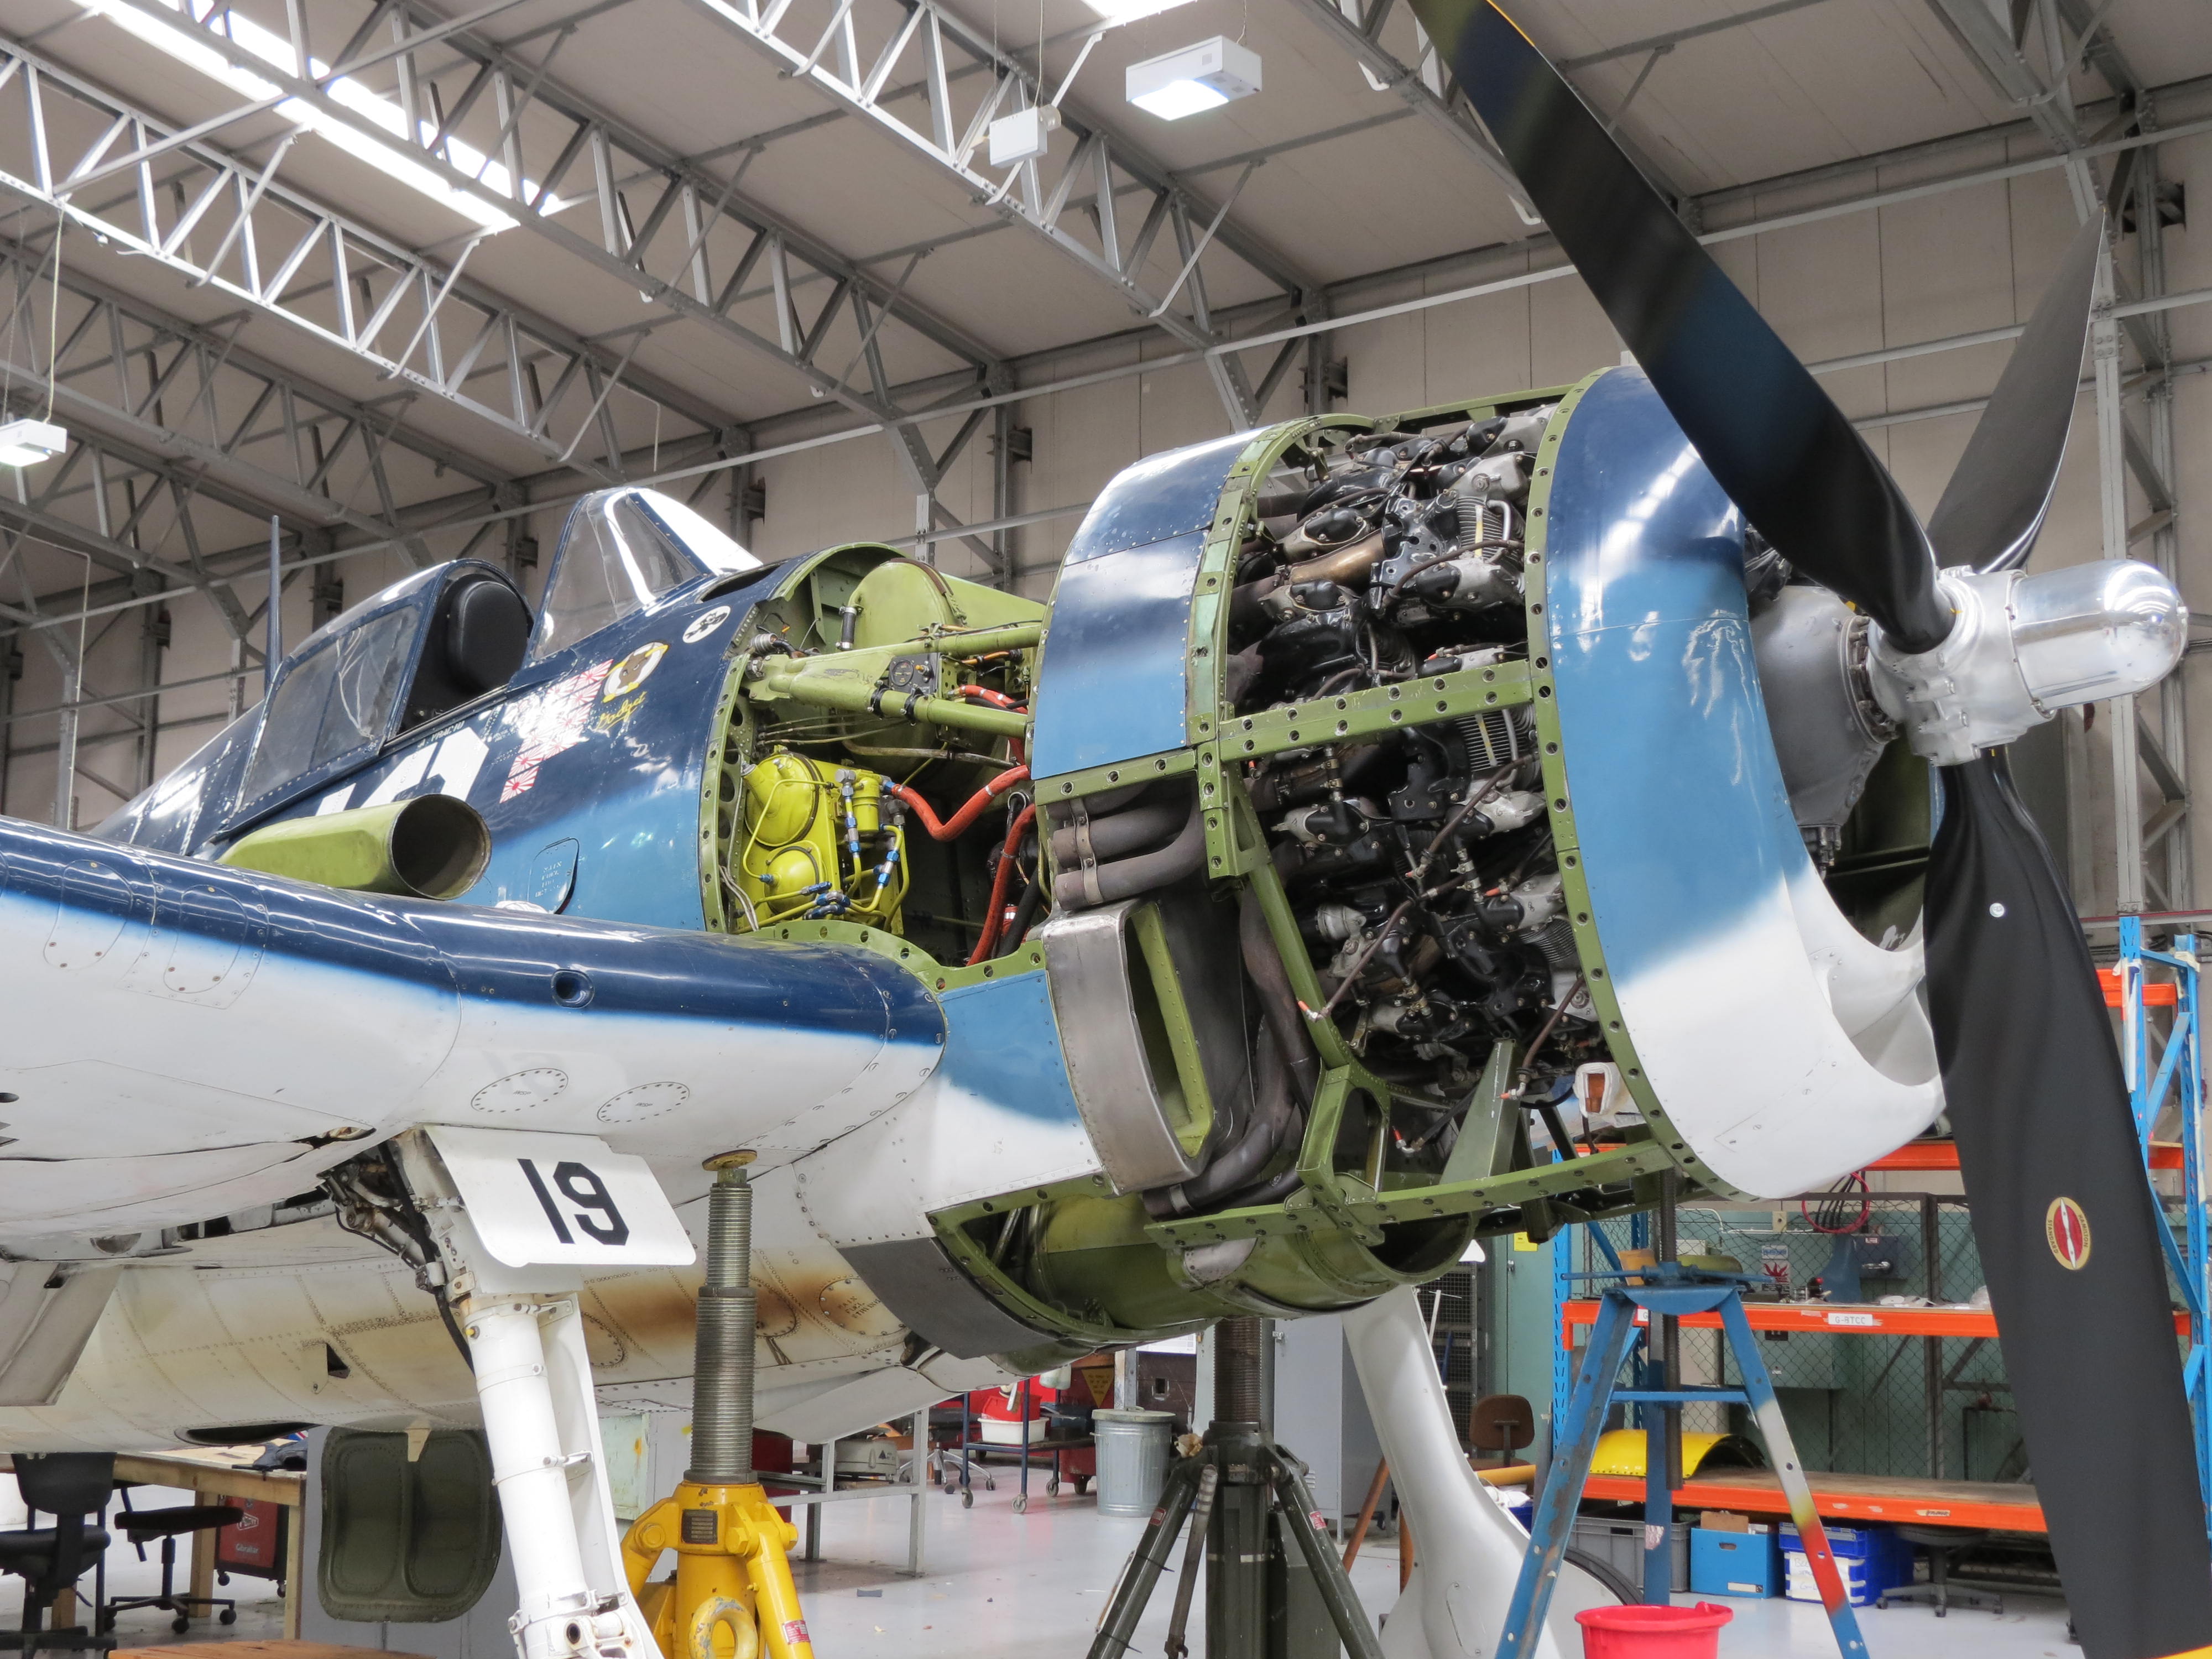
[1653,1633]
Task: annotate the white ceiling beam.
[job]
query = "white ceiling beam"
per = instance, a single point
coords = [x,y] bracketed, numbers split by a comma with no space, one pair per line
[528,195]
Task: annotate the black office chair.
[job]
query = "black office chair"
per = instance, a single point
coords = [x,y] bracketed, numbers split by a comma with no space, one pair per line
[73,1487]
[1941,1543]
[141,1527]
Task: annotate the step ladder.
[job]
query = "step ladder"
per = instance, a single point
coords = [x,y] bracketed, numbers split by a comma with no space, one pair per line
[1643,1294]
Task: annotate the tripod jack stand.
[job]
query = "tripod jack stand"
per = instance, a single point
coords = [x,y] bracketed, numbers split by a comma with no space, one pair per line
[1274,1588]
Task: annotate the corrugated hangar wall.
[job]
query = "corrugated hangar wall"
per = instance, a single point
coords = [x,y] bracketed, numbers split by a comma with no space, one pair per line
[1965,260]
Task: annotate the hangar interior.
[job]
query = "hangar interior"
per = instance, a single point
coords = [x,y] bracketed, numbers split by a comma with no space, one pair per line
[324,292]
[736,256]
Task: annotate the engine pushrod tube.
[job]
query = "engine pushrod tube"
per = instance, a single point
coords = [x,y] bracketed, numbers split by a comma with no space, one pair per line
[859,697]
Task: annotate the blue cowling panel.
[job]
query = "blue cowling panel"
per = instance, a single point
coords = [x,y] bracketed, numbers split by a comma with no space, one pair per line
[1679,802]
[1110,686]
[1162,495]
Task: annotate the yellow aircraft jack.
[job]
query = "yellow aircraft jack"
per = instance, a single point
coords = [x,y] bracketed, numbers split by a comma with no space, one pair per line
[732,1596]
[732,1569]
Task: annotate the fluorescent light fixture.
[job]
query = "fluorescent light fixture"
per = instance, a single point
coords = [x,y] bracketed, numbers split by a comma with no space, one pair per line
[1023,136]
[1128,11]
[1200,77]
[27,442]
[186,41]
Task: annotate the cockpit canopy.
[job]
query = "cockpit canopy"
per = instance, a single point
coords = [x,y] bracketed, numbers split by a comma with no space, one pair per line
[423,646]
[439,640]
[621,549]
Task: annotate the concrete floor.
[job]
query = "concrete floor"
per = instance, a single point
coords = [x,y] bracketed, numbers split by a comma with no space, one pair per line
[996,1584]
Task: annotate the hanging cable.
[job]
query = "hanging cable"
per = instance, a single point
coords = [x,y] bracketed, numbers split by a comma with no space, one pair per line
[1836,1205]
[54,317]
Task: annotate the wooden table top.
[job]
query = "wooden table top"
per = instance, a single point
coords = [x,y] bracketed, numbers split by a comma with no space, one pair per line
[219,1471]
[264,1650]
[1999,1507]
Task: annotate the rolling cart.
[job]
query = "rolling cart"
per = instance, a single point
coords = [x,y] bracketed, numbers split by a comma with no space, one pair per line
[969,1454]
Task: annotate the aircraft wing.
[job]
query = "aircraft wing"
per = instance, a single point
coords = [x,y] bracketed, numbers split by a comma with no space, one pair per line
[187,1039]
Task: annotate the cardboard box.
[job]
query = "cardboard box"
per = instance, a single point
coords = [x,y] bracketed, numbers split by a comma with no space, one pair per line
[1726,1521]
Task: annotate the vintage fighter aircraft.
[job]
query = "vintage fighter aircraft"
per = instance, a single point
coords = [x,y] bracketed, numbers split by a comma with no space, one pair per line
[1234,934]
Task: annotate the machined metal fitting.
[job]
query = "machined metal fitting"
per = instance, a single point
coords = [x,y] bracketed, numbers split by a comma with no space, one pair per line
[2022,647]
[722,1380]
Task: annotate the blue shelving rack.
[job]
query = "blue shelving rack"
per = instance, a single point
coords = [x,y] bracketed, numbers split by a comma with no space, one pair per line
[2175,1073]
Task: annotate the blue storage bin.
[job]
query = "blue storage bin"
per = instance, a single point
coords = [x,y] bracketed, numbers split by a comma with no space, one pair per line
[1871,1559]
[1745,1564]
[1851,1543]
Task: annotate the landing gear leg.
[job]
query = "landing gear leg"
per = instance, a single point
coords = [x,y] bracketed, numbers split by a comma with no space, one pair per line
[526,1339]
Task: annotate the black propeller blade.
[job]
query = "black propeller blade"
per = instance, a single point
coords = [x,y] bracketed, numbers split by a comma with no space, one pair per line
[2032,1084]
[1763,427]
[2063,1212]
[1994,504]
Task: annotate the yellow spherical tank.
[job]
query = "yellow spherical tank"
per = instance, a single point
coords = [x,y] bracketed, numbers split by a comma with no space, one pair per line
[817,842]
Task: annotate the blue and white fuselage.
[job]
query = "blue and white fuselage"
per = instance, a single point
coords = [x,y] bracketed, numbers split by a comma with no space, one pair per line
[196,1044]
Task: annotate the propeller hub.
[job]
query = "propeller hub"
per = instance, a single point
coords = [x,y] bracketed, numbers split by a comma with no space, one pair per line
[2021,647]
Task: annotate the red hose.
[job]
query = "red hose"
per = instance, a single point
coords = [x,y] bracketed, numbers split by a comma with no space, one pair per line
[996,699]
[1000,700]
[961,821]
[996,915]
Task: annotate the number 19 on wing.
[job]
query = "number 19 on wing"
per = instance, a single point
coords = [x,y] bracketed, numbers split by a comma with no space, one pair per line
[594,1214]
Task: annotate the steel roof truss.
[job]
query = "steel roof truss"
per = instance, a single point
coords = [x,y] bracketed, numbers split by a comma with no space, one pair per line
[1356,25]
[119,369]
[164,211]
[1022,197]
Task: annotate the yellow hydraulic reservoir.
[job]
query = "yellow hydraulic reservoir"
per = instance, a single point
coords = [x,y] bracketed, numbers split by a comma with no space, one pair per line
[819,840]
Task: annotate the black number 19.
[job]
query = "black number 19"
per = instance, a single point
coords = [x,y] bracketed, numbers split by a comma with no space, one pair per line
[581,1186]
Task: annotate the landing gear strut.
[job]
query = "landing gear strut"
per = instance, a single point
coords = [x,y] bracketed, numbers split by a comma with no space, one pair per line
[526,1342]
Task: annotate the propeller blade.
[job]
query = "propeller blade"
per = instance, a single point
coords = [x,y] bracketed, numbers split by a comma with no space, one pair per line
[2062,1207]
[2064,1217]
[1765,429]
[1998,494]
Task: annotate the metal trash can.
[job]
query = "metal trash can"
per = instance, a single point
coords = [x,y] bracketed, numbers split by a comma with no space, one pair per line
[1133,1459]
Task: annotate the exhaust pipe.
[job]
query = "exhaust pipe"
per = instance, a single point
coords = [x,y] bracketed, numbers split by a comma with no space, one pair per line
[433,846]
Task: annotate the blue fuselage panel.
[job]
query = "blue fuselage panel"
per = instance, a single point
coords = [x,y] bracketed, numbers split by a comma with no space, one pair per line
[589,777]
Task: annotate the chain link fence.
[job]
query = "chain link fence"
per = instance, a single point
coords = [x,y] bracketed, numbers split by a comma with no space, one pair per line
[1935,1407]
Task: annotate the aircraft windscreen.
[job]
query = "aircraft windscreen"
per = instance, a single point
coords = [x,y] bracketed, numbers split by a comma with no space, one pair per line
[621,550]
[333,702]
